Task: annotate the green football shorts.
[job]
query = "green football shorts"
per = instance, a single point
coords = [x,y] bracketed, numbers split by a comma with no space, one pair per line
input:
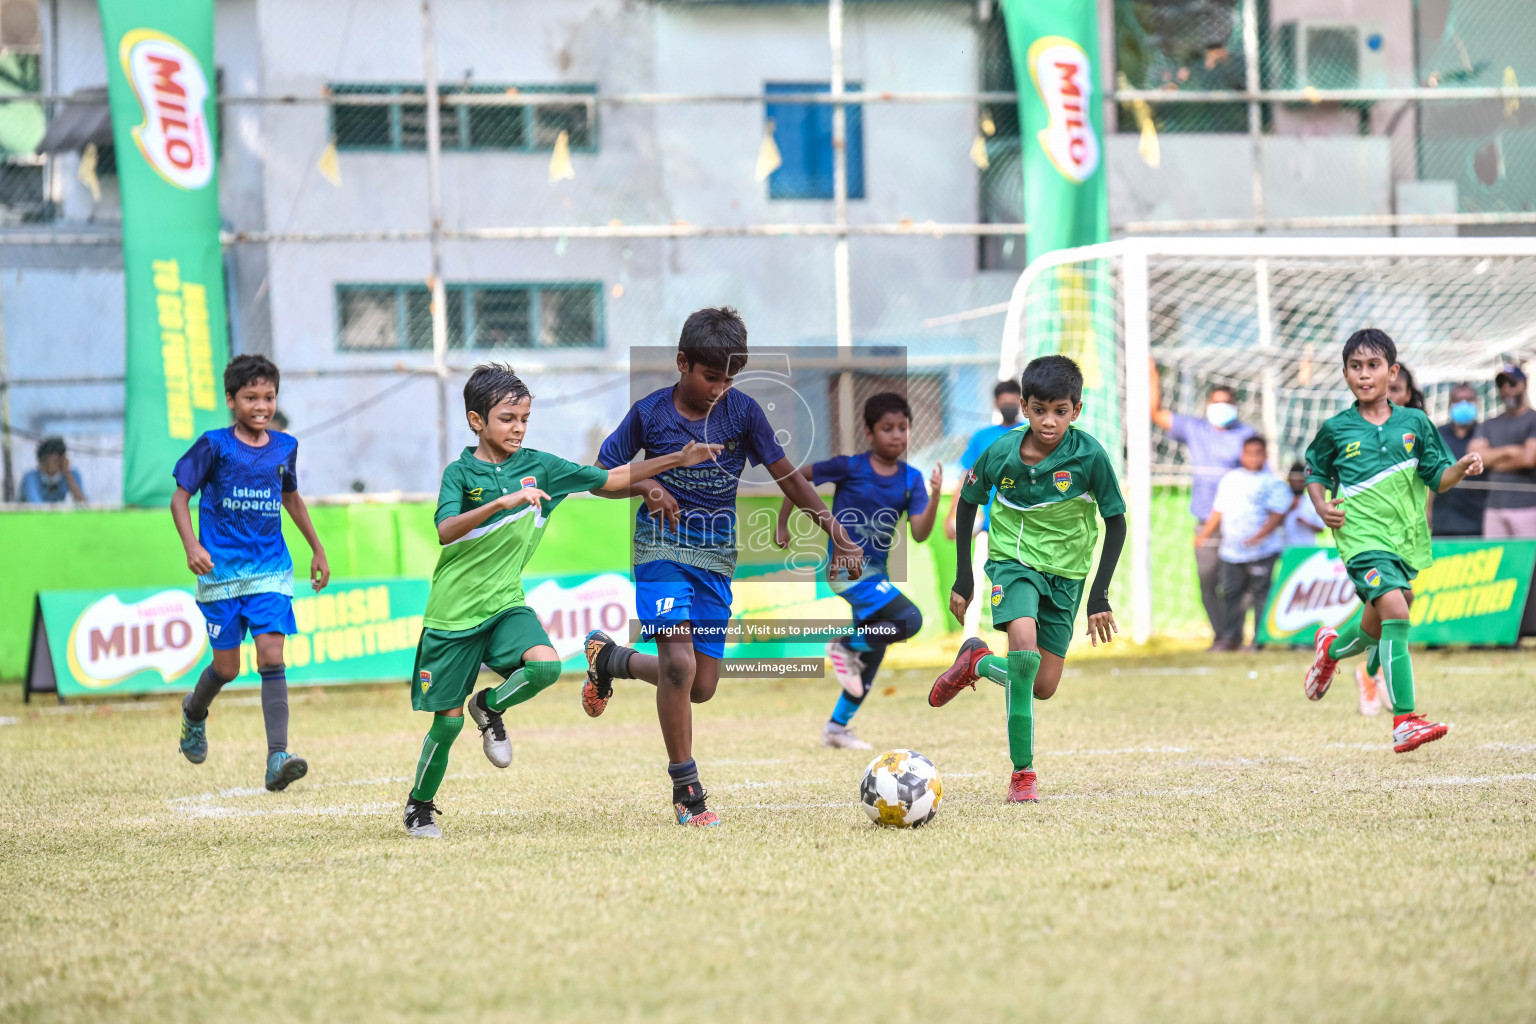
[1019,592]
[448,661]
[1375,573]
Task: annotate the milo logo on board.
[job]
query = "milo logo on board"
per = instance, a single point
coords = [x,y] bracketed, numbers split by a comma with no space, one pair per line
[171,88]
[112,641]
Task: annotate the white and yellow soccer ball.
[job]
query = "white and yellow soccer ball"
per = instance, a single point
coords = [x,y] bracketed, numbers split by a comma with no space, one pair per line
[901,789]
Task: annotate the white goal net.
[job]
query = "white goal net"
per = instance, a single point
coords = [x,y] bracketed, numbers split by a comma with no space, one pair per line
[1266,317]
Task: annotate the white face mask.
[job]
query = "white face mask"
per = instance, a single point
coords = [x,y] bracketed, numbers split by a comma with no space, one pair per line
[1221,414]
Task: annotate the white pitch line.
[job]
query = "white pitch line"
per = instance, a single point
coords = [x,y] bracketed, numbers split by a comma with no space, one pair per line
[1114,751]
[1522,748]
[1463,780]
[8,720]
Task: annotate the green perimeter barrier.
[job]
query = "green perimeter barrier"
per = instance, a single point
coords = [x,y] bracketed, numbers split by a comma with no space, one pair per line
[80,549]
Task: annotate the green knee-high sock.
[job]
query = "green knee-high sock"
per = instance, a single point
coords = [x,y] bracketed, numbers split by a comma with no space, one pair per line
[434,755]
[1022,666]
[1350,641]
[993,667]
[1373,660]
[524,684]
[1397,665]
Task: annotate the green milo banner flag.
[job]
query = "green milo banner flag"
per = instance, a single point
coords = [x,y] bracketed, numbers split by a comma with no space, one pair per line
[1474,593]
[159,69]
[1055,49]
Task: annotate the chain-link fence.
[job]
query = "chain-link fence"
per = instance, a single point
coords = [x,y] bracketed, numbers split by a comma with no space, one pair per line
[605,168]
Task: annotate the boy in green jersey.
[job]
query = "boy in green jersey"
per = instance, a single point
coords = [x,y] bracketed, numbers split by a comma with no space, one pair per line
[1380,461]
[491,511]
[1053,483]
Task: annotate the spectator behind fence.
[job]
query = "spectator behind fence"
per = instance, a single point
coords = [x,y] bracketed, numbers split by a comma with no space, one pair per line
[1007,399]
[1459,511]
[52,481]
[1249,506]
[1507,443]
[1215,446]
[1301,525]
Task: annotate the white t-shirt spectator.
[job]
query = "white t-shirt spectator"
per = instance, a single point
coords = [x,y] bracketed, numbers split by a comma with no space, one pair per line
[1245,500]
[1297,535]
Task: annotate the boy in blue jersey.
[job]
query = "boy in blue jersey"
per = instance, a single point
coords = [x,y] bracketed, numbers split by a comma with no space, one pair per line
[247,475]
[873,490]
[685,537]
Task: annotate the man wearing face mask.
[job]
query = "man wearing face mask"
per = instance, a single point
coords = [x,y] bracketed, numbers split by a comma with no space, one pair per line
[1507,443]
[1459,511]
[52,481]
[1215,445]
[1007,398]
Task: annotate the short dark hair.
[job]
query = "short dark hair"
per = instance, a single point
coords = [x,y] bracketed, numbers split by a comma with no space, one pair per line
[1371,339]
[50,446]
[1258,439]
[716,337]
[1051,378]
[1297,467]
[488,385]
[1210,394]
[248,369]
[884,402]
[1006,387]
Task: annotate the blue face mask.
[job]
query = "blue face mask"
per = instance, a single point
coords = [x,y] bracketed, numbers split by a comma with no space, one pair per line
[1464,414]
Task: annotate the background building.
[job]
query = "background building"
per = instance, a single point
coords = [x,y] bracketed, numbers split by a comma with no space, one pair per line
[342,308]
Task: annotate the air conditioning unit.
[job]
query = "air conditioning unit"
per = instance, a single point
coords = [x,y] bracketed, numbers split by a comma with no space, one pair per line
[1332,55]
[20,26]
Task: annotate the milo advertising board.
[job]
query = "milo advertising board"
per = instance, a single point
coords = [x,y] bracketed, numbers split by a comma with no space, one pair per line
[1474,593]
[154,639]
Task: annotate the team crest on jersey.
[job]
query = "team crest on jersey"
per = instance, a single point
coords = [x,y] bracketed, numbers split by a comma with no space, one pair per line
[1373,577]
[1408,440]
[529,481]
[476,493]
[426,680]
[997,595]
[1063,480]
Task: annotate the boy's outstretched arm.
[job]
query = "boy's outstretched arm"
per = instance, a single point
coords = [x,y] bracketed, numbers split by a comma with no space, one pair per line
[965,583]
[1101,621]
[846,554]
[623,480]
[319,568]
[922,526]
[1470,464]
[781,528]
[198,559]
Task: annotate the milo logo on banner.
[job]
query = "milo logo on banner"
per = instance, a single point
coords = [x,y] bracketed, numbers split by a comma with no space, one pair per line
[1315,593]
[171,89]
[1063,76]
[111,641]
[568,614]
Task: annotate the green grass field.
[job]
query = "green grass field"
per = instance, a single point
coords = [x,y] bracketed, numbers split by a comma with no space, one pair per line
[1209,846]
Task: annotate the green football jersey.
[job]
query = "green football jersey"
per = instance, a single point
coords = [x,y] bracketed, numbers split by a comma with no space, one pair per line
[481,573]
[1384,475]
[1046,516]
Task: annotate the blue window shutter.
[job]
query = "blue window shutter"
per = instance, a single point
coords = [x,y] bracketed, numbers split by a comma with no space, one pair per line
[803,133]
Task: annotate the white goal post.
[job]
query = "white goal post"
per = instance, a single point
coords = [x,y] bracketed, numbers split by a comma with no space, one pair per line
[1265,316]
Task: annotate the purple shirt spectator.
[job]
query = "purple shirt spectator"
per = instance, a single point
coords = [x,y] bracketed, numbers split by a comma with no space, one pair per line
[1212,452]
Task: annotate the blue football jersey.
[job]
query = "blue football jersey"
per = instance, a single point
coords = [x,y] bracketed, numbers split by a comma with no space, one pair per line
[706,493]
[870,505]
[239,512]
